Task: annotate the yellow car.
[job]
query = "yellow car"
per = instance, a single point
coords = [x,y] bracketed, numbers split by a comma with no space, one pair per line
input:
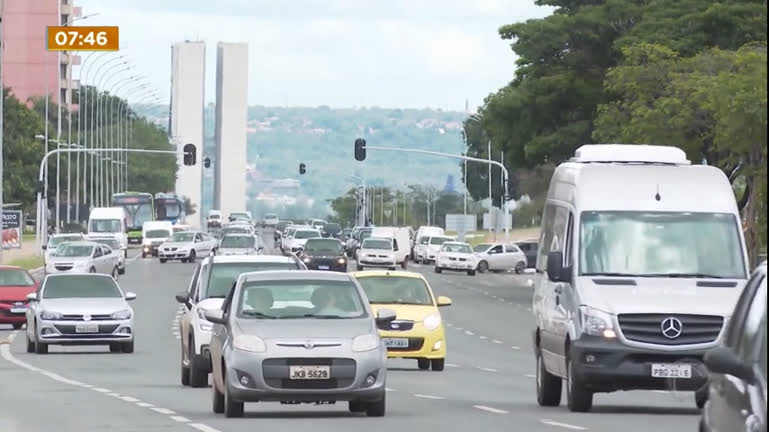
[417,333]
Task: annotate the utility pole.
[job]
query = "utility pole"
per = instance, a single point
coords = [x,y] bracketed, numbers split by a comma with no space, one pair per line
[491,200]
[2,100]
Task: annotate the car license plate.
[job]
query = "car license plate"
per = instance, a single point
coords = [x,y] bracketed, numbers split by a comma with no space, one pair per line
[671,370]
[323,267]
[18,310]
[309,372]
[395,342]
[87,328]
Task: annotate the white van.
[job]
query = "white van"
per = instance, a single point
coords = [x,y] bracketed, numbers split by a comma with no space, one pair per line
[155,233]
[402,239]
[109,221]
[641,260]
[417,247]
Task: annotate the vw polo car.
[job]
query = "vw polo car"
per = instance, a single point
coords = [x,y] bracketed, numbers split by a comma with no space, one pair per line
[418,333]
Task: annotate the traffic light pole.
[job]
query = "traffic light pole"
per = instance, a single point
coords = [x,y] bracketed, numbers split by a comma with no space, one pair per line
[461,157]
[42,227]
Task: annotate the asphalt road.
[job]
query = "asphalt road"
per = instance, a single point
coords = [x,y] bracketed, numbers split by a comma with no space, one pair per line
[488,383]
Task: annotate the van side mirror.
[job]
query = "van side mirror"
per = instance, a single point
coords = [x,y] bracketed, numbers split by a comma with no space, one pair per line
[724,361]
[556,272]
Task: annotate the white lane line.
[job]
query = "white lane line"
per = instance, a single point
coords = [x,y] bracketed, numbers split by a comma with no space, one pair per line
[487,369]
[458,328]
[449,325]
[483,337]
[562,425]
[424,396]
[490,409]
[389,389]
[203,428]
[165,411]
[497,341]
[5,353]
[469,333]
[530,376]
[516,348]
[452,365]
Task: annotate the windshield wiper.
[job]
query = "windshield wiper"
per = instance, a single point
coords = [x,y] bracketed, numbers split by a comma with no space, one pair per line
[684,275]
[611,274]
[256,314]
[401,303]
[312,316]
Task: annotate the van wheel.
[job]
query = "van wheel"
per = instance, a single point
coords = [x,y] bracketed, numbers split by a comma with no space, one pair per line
[578,398]
[483,266]
[548,385]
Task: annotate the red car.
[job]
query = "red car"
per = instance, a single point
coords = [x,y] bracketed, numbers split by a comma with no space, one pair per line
[15,284]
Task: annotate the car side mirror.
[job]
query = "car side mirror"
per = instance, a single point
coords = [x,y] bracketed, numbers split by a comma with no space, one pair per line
[32,297]
[45,247]
[129,296]
[444,301]
[385,316]
[215,316]
[183,297]
[556,272]
[724,361]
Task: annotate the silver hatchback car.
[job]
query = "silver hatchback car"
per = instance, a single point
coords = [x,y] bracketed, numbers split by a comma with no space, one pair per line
[298,337]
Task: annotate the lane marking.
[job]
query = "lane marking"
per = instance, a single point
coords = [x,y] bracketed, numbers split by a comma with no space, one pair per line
[562,425]
[163,411]
[483,337]
[490,409]
[180,419]
[530,376]
[424,396]
[389,389]
[129,399]
[487,369]
[144,404]
[452,365]
[516,348]
[101,390]
[203,428]
[497,341]
[115,395]
[469,333]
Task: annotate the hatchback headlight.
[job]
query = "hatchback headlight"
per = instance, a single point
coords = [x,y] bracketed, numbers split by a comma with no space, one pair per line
[48,315]
[432,322]
[596,322]
[249,343]
[121,315]
[367,342]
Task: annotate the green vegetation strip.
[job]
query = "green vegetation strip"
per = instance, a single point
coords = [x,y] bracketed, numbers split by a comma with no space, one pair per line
[28,262]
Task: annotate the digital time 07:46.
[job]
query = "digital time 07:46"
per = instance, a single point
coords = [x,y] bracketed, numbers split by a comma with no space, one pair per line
[82,38]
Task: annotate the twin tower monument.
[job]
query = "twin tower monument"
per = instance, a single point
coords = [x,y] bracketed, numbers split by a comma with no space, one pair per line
[187,123]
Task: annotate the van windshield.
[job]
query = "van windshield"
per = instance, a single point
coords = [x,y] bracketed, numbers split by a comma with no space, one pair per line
[157,233]
[660,244]
[104,226]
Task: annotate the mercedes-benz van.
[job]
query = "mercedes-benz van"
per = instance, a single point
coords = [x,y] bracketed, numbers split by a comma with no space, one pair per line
[641,260]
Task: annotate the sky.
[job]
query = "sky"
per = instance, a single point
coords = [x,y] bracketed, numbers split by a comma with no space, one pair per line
[339,53]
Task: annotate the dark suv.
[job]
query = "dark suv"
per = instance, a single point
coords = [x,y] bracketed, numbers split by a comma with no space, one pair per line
[324,254]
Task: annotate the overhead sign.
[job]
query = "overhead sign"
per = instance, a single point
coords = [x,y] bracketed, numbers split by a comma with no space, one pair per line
[12,229]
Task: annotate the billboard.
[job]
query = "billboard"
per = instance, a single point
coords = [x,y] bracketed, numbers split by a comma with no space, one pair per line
[13,224]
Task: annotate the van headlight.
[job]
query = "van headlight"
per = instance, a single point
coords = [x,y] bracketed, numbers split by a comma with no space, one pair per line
[121,315]
[367,342]
[596,322]
[432,322]
[249,343]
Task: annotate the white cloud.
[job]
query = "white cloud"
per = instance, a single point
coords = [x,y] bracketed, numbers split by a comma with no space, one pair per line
[401,53]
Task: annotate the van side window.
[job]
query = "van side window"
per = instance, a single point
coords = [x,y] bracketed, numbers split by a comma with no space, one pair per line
[545,236]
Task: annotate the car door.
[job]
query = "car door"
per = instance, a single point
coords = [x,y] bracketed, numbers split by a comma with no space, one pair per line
[97,259]
[495,257]
[728,396]
[186,318]
[112,257]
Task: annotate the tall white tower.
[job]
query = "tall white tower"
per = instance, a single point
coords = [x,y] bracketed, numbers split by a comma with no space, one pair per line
[231,122]
[188,70]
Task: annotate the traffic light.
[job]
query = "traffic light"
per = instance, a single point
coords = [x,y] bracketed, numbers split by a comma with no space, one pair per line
[360,149]
[207,162]
[302,168]
[190,154]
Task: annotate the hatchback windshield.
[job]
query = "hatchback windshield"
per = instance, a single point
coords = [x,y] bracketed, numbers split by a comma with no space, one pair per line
[483,247]
[80,286]
[326,246]
[69,250]
[15,277]
[157,234]
[377,244]
[456,248]
[224,275]
[183,236]
[55,241]
[439,240]
[306,234]
[298,299]
[396,290]
[104,226]
[660,244]
[238,242]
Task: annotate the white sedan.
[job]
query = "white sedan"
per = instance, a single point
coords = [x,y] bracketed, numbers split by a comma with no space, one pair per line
[187,246]
[456,256]
[84,257]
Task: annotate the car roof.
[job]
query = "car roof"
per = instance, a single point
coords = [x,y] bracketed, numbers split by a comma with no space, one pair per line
[238,234]
[455,243]
[392,273]
[84,243]
[249,259]
[63,275]
[294,275]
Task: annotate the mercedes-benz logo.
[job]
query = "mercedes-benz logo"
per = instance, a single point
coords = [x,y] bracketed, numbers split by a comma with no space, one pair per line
[309,345]
[86,317]
[671,327]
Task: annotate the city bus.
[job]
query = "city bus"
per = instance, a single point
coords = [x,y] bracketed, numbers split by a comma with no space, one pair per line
[140,208]
[169,207]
